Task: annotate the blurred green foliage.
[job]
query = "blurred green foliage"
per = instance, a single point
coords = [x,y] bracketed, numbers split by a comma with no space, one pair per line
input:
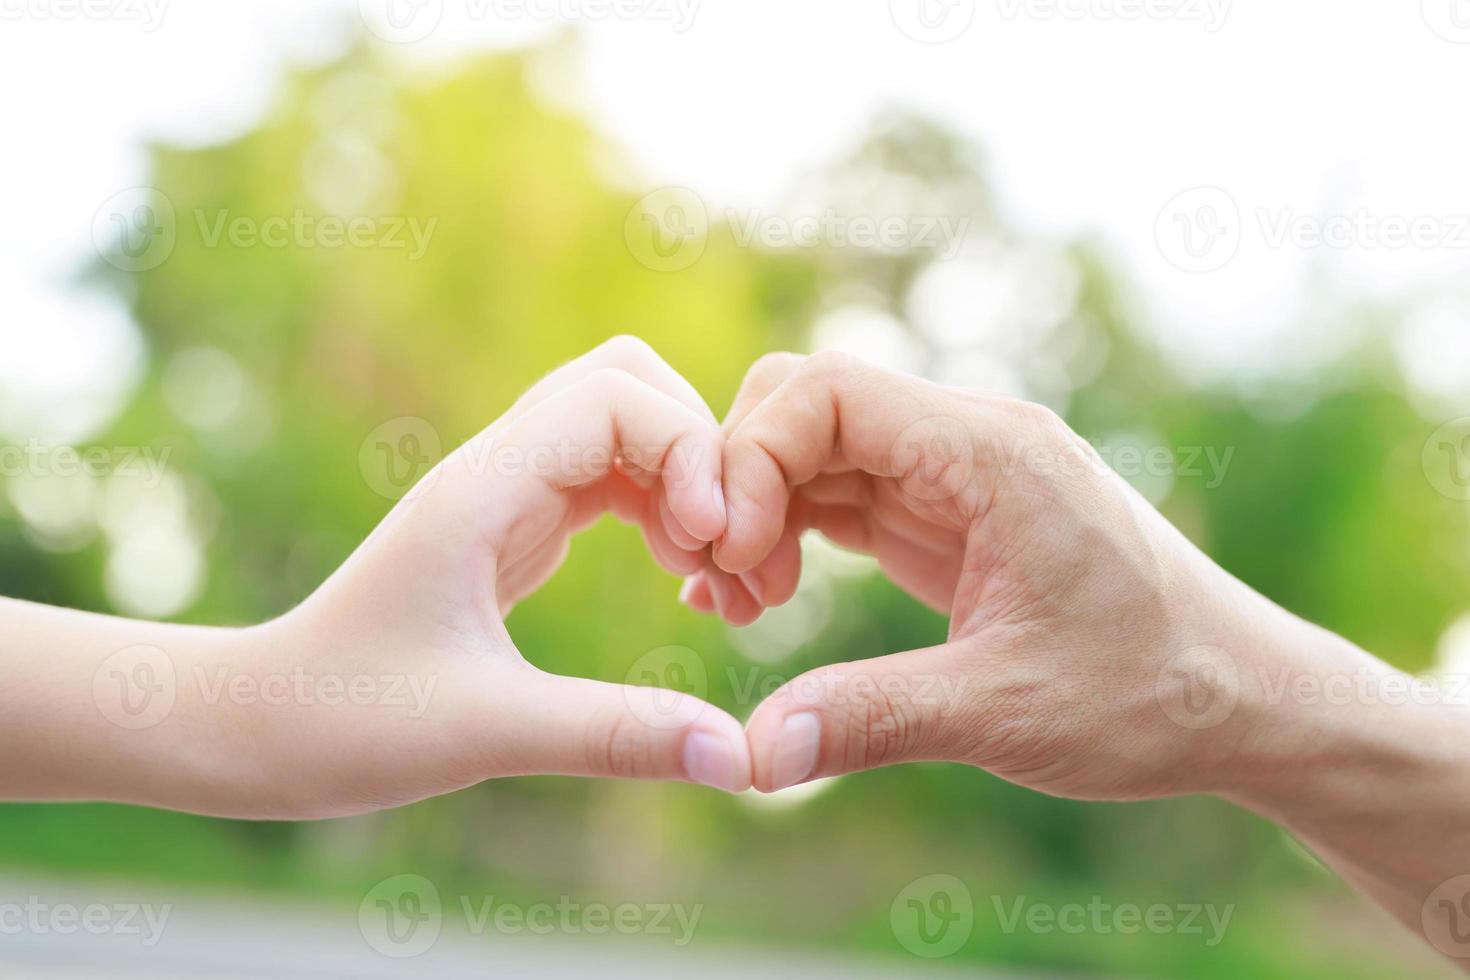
[1324,508]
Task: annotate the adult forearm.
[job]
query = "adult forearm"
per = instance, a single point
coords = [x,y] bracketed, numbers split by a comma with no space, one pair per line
[1370,768]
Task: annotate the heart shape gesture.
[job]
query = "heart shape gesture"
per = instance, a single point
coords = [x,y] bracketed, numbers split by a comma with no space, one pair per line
[1093,652]
[1053,570]
[1079,617]
[427,593]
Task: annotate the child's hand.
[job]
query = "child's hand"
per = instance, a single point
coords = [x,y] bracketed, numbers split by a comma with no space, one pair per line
[424,599]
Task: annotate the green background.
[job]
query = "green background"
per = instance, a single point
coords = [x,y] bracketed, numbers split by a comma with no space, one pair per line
[1325,508]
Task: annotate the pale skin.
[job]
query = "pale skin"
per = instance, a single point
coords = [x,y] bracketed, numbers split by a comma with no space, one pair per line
[1093,652]
[415,618]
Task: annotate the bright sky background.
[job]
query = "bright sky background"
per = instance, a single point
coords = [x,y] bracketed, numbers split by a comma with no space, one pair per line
[1094,121]
[1179,140]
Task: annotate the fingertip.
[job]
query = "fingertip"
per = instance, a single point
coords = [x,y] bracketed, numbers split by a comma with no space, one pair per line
[731,598]
[675,528]
[775,579]
[696,593]
[785,745]
[718,758]
[695,496]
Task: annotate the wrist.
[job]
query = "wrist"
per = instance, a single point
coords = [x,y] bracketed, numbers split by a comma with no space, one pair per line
[1366,765]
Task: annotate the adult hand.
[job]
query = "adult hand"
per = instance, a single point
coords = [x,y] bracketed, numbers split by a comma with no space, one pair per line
[1089,641]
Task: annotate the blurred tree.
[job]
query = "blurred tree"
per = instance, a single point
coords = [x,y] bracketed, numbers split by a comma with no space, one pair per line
[272,368]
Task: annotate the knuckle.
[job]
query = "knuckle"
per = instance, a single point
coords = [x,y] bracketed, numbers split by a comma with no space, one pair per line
[626,350]
[882,726]
[618,746]
[608,382]
[1046,425]
[826,365]
[771,369]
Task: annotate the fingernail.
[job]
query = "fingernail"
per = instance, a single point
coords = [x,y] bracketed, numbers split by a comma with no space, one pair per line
[686,590]
[752,582]
[709,759]
[796,750]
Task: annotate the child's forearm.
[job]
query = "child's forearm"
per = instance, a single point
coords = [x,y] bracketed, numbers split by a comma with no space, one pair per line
[102,708]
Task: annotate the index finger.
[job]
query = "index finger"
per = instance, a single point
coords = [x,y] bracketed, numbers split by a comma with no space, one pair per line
[836,412]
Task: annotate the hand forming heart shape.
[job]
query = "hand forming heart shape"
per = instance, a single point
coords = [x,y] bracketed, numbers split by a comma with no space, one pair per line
[1092,651]
[1054,573]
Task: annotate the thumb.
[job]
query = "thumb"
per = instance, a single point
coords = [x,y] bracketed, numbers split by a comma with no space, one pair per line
[906,707]
[577,727]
